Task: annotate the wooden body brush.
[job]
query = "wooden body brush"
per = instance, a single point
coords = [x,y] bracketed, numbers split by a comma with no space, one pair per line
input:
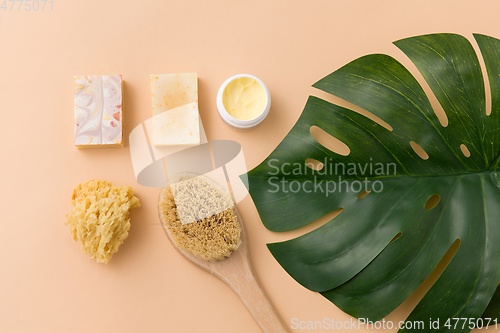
[235,270]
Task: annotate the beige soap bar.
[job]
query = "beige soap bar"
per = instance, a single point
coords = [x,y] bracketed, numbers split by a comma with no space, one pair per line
[174,99]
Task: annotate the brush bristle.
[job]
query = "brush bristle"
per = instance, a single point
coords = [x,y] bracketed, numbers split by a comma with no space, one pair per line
[210,238]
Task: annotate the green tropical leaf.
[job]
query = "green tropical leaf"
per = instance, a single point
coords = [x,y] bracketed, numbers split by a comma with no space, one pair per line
[493,309]
[354,259]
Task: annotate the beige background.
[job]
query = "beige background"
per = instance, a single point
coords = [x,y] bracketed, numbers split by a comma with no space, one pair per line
[46,283]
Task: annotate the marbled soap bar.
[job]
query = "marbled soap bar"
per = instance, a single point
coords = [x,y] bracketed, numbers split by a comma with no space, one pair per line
[174,99]
[98,111]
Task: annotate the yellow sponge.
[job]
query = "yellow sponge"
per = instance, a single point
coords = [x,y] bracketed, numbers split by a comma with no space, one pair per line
[99,218]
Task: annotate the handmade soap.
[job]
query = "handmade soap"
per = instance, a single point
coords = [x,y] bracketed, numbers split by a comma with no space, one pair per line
[98,111]
[174,98]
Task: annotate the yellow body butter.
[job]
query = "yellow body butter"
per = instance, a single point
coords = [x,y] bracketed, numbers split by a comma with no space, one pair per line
[244,98]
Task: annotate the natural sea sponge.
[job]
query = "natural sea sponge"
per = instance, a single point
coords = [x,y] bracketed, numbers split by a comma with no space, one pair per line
[212,231]
[99,219]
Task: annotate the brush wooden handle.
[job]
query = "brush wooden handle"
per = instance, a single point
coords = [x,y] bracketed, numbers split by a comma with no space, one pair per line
[244,284]
[237,273]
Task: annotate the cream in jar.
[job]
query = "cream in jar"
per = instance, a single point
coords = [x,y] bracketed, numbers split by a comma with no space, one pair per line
[243,101]
[244,98]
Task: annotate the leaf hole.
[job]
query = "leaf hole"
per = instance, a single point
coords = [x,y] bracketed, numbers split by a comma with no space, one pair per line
[487,87]
[436,106]
[363,194]
[399,234]
[419,150]
[465,150]
[292,234]
[345,104]
[419,293]
[314,164]
[439,112]
[328,141]
[432,201]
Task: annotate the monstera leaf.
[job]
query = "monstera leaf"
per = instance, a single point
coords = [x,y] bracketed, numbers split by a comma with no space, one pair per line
[355,260]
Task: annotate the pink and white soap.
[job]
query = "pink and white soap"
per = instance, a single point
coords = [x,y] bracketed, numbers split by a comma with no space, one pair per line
[98,111]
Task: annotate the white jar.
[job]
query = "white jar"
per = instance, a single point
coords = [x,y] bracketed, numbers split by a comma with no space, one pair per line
[238,124]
